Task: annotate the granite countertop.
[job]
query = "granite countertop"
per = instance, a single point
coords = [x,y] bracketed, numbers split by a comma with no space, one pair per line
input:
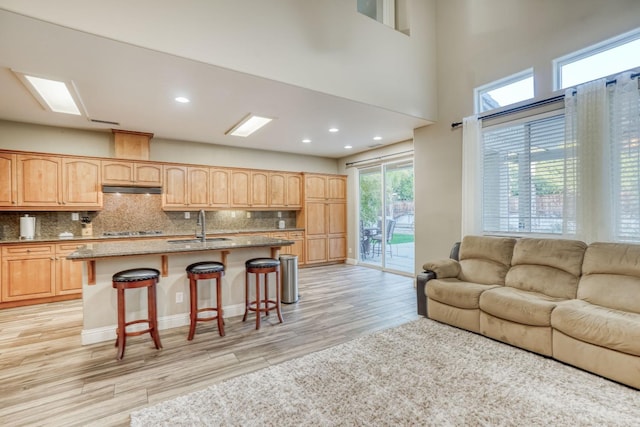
[56,239]
[149,247]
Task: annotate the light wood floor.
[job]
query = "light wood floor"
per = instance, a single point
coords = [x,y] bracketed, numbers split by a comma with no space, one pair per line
[48,378]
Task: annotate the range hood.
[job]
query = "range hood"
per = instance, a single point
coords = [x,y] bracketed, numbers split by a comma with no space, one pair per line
[131,190]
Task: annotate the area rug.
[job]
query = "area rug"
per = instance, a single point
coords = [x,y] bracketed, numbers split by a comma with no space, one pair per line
[421,373]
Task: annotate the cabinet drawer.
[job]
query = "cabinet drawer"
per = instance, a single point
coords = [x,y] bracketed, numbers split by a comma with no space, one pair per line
[67,248]
[296,235]
[27,250]
[283,236]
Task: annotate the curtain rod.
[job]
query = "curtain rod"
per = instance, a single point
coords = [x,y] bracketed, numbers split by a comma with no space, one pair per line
[540,103]
[378,158]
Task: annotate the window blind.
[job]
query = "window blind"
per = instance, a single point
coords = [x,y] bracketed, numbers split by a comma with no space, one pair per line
[529,177]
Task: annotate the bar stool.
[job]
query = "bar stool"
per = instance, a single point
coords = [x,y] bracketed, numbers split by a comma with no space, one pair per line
[132,279]
[262,267]
[202,271]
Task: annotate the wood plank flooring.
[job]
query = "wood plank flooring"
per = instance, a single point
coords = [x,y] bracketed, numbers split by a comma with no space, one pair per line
[48,378]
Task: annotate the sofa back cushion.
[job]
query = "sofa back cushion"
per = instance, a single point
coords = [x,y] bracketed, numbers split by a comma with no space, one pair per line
[611,276]
[485,260]
[548,266]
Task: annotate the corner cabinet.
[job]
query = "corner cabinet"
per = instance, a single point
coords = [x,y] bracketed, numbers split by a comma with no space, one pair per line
[325,214]
[8,190]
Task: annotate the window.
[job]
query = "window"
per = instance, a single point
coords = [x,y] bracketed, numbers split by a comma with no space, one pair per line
[393,13]
[510,90]
[528,177]
[604,59]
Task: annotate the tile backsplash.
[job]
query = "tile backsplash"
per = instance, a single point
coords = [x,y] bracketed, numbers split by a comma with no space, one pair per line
[141,212]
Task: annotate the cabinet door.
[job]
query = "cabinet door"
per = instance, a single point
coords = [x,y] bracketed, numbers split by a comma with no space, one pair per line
[28,272]
[316,222]
[81,183]
[38,180]
[315,187]
[337,218]
[277,190]
[148,174]
[198,187]
[316,250]
[293,190]
[220,189]
[337,248]
[259,189]
[240,188]
[117,173]
[298,246]
[174,194]
[69,274]
[8,178]
[337,186]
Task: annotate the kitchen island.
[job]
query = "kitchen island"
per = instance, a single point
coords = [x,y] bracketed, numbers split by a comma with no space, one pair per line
[102,260]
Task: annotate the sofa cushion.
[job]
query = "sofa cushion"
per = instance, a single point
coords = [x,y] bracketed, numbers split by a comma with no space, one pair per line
[548,266]
[515,305]
[456,293]
[605,327]
[611,276]
[485,260]
[443,268]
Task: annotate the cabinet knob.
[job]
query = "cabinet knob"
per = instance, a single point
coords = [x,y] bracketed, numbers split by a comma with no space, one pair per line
[13,202]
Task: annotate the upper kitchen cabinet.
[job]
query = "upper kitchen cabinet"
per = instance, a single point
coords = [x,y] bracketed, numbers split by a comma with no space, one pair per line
[81,180]
[8,190]
[185,187]
[57,183]
[131,173]
[325,187]
[259,189]
[240,188]
[285,190]
[219,187]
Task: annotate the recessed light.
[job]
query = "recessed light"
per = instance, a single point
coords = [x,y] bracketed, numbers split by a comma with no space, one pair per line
[306,140]
[182,99]
[248,125]
[348,147]
[333,130]
[377,138]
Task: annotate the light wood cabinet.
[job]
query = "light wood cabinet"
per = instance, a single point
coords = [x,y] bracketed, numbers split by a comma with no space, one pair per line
[285,190]
[8,189]
[38,180]
[240,188]
[62,183]
[131,173]
[69,273]
[219,189]
[325,217]
[297,237]
[185,187]
[259,189]
[198,187]
[81,180]
[28,272]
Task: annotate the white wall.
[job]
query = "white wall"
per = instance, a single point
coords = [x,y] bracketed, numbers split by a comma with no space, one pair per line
[325,45]
[479,42]
[47,139]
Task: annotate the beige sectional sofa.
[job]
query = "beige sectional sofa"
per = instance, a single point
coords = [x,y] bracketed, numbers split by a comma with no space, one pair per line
[560,298]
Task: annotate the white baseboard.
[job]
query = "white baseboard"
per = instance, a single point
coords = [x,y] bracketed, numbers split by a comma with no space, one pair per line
[108,333]
[351,261]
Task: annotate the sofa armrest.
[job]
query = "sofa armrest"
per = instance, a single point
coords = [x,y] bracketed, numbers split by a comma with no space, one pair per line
[421,297]
[443,268]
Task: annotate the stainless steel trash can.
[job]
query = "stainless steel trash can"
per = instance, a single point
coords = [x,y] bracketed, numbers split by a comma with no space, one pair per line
[289,278]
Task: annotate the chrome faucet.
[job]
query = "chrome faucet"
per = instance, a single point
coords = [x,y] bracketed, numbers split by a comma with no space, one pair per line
[201,221]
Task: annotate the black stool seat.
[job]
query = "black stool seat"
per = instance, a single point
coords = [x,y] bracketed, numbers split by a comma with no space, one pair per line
[205,267]
[262,263]
[136,275]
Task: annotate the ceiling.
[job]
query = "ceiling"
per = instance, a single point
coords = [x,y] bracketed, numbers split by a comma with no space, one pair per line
[135,88]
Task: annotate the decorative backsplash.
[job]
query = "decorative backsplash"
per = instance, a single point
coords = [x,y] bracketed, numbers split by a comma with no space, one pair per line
[141,212]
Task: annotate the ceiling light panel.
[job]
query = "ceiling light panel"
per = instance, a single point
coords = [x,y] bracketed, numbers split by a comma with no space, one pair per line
[54,95]
[248,125]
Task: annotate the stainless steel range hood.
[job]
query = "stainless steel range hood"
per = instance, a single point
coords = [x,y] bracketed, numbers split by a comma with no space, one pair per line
[131,190]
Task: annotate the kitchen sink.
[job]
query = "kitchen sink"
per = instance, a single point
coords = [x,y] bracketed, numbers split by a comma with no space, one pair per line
[210,239]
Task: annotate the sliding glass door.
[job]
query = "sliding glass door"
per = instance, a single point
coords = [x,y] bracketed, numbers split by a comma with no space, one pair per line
[387,216]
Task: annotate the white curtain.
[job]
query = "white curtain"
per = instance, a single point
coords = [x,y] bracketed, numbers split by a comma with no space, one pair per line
[471,176]
[586,128]
[625,158]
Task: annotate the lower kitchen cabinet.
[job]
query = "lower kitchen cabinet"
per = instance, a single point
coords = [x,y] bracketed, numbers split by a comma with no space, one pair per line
[35,271]
[297,237]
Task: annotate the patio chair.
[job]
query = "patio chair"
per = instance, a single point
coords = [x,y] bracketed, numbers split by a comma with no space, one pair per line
[377,239]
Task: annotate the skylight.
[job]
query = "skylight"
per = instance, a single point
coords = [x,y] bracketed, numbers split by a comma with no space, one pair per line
[54,95]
